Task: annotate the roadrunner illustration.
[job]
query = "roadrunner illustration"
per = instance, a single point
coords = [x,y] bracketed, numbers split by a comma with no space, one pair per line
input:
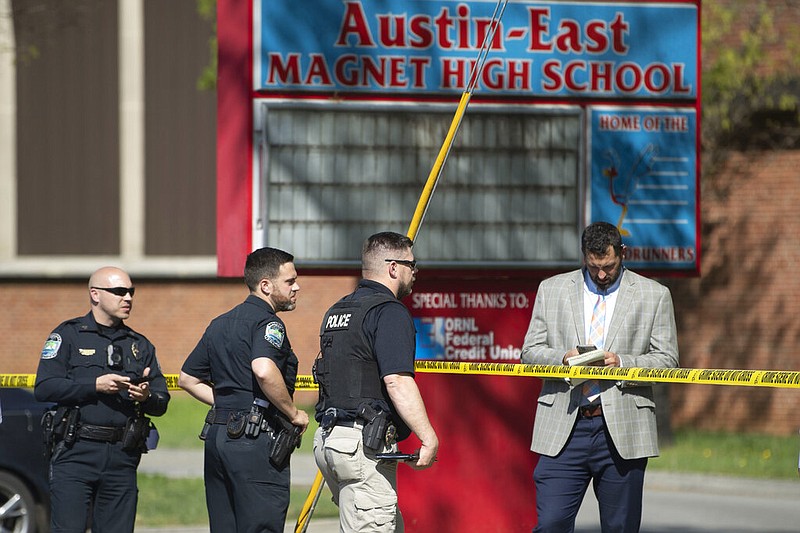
[622,185]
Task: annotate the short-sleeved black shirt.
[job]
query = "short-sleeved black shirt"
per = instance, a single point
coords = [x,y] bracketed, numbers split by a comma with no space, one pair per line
[224,354]
[390,330]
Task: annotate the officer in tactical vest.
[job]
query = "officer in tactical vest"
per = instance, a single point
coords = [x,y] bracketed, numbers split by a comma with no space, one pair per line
[368,397]
[104,378]
[244,367]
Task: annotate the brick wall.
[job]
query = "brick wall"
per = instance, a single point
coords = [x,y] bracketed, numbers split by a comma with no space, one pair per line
[744,310]
[172,314]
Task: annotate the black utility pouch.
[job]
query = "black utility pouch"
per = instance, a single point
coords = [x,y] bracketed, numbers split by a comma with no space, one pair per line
[70,421]
[236,424]
[329,418]
[54,428]
[134,437]
[374,432]
[254,422]
[287,440]
[207,425]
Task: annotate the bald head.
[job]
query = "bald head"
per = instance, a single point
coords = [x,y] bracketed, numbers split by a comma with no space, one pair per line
[110,295]
[110,277]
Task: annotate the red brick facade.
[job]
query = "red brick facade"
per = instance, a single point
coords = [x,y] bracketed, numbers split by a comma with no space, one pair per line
[172,314]
[744,310]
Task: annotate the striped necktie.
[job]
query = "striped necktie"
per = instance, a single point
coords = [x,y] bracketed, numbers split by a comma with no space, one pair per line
[591,388]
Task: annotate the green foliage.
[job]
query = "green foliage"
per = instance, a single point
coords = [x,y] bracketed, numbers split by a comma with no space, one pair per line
[749,64]
[208,78]
[207,9]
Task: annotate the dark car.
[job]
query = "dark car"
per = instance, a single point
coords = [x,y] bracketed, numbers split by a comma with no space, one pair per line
[24,492]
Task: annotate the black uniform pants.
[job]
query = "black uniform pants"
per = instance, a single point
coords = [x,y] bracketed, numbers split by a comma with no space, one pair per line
[93,474]
[245,493]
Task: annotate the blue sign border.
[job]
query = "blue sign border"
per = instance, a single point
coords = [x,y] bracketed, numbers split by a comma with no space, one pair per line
[542,49]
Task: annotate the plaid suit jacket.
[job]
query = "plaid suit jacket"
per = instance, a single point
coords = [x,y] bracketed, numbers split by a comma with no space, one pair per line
[642,333]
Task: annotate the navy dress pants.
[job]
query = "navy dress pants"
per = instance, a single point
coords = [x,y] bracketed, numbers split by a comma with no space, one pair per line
[96,475]
[589,455]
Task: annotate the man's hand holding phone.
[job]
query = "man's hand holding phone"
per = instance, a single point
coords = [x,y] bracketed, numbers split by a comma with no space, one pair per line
[139,386]
[588,355]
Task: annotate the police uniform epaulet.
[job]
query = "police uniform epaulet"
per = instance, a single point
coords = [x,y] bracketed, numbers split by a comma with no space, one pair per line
[72,322]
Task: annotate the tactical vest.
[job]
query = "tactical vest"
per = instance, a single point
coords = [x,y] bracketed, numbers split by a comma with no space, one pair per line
[347,371]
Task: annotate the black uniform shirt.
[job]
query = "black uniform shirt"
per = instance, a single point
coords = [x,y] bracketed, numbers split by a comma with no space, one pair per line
[389,330]
[77,352]
[224,355]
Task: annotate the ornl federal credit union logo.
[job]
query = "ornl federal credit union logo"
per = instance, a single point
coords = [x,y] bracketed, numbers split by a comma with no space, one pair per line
[458,339]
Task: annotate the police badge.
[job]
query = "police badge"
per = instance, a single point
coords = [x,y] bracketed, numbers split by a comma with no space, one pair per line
[274,334]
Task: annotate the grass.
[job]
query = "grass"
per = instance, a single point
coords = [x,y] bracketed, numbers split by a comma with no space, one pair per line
[181,424]
[743,455]
[164,501]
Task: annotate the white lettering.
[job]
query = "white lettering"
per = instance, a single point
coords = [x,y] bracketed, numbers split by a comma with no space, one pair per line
[433,300]
[480,300]
[504,353]
[460,324]
[338,321]
[467,339]
[476,353]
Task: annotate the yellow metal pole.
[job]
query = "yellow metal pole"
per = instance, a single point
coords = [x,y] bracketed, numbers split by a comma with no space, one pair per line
[436,170]
[444,151]
[311,502]
[422,207]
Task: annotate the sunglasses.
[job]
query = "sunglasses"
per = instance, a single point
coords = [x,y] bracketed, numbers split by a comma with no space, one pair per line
[117,291]
[410,264]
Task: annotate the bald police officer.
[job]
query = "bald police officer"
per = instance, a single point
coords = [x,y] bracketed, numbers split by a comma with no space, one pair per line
[104,377]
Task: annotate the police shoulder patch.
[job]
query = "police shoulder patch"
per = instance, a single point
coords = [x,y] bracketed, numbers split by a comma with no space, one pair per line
[274,334]
[51,346]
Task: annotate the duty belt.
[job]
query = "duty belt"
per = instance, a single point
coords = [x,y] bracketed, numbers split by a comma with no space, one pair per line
[220,416]
[100,433]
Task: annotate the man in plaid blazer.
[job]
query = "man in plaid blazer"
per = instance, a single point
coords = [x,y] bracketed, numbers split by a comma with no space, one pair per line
[605,434]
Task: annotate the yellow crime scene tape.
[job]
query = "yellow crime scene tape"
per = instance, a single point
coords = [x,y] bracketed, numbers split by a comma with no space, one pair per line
[702,376]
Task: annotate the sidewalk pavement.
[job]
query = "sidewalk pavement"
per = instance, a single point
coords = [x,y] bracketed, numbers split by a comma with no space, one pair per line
[673,502]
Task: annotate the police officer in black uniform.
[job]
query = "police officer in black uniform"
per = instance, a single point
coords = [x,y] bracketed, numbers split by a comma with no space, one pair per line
[245,368]
[368,397]
[104,377]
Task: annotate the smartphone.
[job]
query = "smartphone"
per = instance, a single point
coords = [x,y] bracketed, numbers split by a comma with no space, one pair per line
[140,379]
[398,456]
[583,348]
